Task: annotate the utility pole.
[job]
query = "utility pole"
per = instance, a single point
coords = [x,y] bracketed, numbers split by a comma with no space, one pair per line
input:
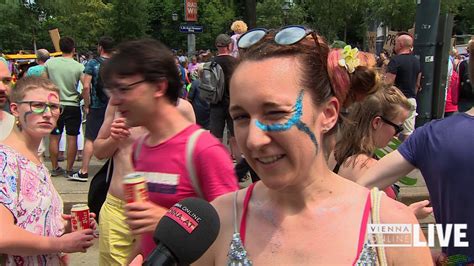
[426,30]
[251,13]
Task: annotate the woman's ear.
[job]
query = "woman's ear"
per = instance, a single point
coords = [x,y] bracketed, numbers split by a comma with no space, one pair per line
[330,112]
[376,122]
[14,109]
[161,87]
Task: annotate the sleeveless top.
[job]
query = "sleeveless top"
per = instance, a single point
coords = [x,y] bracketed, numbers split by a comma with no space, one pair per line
[391,191]
[367,253]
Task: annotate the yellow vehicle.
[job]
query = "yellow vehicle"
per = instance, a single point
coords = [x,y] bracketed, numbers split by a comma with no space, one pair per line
[16,57]
[19,63]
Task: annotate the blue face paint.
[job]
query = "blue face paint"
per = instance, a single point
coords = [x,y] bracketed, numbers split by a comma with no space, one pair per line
[25,115]
[293,121]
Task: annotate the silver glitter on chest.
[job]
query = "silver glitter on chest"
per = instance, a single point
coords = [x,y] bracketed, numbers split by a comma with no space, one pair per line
[368,256]
[237,255]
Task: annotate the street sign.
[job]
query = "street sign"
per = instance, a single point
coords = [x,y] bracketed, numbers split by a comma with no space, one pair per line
[191,28]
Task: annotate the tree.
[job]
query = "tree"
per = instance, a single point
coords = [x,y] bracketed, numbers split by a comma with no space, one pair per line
[216,18]
[16,31]
[130,20]
[270,14]
[83,20]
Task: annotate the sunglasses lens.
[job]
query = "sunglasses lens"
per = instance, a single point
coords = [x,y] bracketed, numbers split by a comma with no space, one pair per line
[290,35]
[250,38]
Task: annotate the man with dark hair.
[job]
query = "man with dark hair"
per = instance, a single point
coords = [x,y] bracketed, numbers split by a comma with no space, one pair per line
[220,116]
[66,73]
[95,104]
[143,83]
[404,72]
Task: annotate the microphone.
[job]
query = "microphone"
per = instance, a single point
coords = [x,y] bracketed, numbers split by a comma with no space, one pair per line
[184,233]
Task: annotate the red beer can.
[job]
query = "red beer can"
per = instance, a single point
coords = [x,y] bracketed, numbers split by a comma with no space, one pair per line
[135,188]
[80,217]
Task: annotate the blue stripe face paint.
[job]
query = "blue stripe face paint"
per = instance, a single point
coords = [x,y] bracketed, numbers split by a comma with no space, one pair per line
[294,120]
[26,115]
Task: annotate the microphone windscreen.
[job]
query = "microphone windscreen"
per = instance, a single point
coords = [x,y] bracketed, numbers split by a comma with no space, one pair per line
[188,229]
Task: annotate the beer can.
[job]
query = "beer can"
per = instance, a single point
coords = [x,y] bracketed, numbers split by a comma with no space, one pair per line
[80,217]
[135,188]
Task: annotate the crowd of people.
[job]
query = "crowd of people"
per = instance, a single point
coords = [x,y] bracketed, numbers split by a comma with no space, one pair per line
[303,118]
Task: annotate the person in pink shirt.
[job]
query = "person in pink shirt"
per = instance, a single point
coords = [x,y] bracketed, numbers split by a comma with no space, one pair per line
[143,82]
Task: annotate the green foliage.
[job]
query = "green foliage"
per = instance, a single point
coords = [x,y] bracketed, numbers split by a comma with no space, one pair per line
[130,20]
[270,14]
[87,20]
[17,30]
[465,18]
[216,17]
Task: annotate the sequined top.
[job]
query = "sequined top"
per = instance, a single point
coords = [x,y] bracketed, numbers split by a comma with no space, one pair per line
[368,254]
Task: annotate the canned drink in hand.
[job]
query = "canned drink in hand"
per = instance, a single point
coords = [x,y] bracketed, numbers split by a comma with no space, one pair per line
[80,219]
[135,188]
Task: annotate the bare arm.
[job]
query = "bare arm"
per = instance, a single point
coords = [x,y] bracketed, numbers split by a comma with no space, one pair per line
[418,83]
[86,89]
[186,109]
[386,171]
[390,78]
[17,241]
[104,145]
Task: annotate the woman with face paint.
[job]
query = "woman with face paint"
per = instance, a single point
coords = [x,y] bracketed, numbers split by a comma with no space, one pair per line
[33,229]
[285,102]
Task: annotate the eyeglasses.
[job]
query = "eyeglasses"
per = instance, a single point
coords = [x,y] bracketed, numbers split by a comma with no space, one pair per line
[285,36]
[122,89]
[398,128]
[6,81]
[40,107]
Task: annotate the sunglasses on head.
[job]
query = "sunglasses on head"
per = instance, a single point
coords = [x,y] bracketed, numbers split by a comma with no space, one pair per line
[398,128]
[288,35]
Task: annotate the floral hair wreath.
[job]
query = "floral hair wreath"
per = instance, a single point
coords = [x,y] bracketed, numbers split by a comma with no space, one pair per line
[350,59]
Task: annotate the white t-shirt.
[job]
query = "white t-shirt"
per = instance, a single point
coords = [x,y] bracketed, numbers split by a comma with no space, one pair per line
[6,124]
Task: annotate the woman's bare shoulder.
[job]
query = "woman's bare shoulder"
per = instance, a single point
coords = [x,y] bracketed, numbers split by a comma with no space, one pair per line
[355,166]
[394,212]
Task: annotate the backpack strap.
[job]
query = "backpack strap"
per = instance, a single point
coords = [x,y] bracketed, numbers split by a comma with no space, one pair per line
[190,164]
[138,148]
[109,167]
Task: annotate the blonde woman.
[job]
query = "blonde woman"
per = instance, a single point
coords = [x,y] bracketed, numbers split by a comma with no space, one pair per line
[238,27]
[33,229]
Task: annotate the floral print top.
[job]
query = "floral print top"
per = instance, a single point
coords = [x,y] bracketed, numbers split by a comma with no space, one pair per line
[36,207]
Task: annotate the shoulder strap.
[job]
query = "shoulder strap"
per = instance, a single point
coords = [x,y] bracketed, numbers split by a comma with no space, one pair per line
[376,194]
[190,164]
[138,148]
[236,193]
[109,167]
